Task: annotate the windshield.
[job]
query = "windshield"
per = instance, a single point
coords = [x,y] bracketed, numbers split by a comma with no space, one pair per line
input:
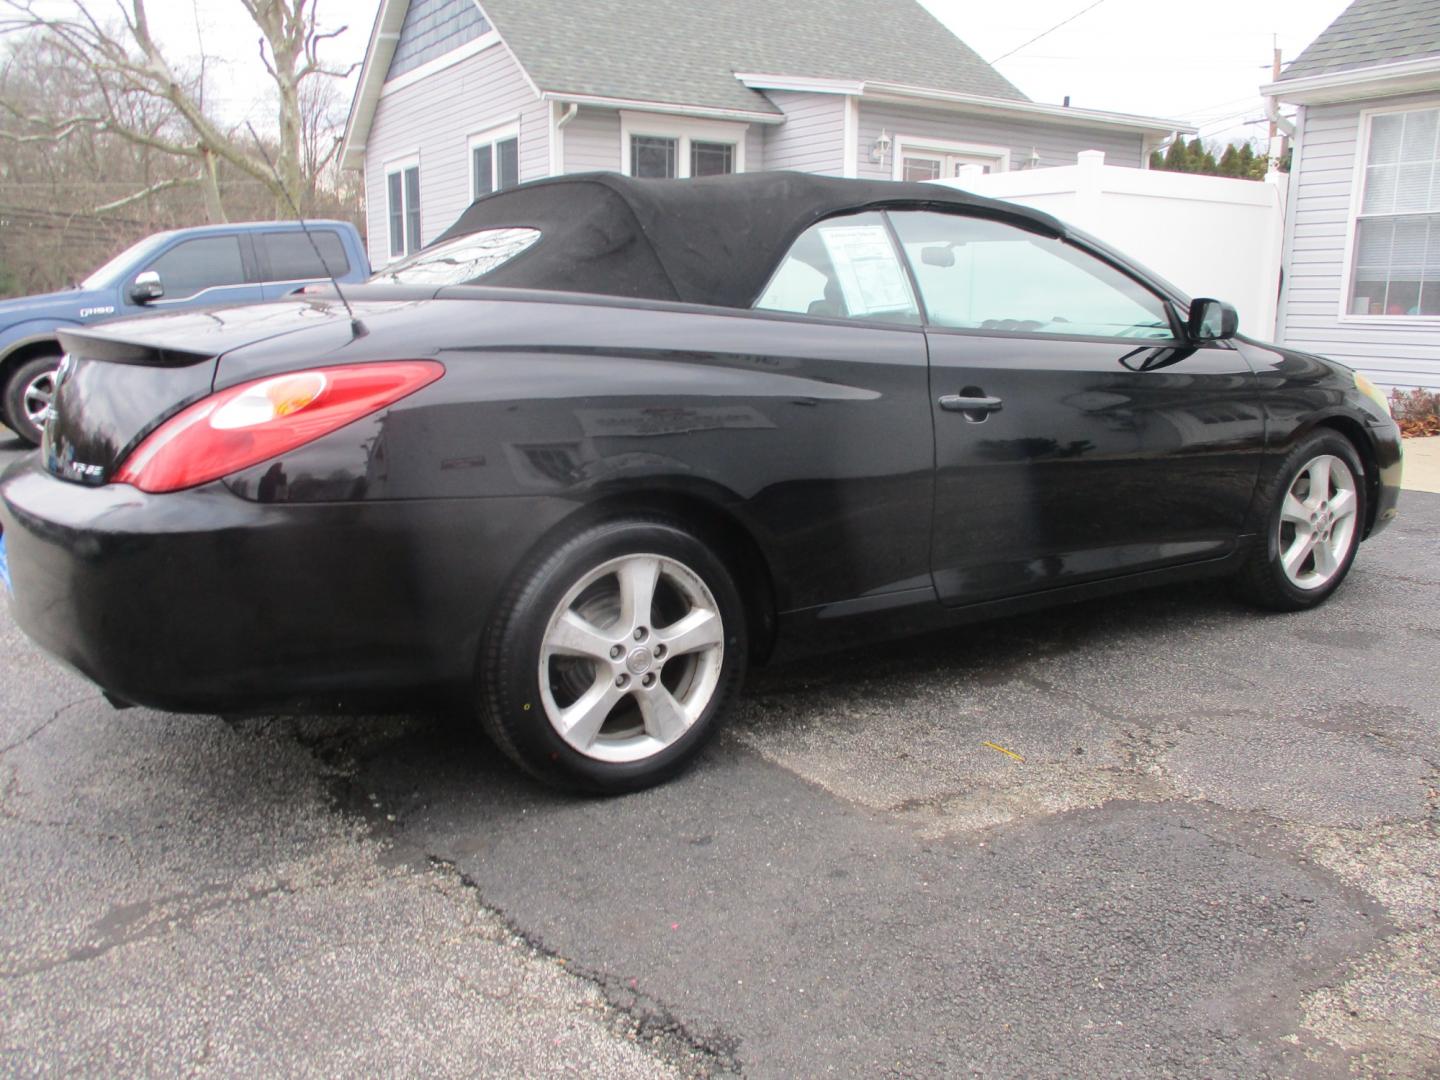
[110,273]
[461,261]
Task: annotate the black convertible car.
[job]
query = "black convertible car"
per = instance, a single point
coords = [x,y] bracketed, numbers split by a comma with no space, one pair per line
[607,442]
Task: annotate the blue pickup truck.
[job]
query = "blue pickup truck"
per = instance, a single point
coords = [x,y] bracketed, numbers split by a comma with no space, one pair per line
[202,267]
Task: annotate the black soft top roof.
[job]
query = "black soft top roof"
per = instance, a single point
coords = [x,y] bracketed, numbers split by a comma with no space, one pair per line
[714,240]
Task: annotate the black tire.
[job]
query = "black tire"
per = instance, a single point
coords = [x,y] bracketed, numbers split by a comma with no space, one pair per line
[516,710]
[16,415]
[1263,580]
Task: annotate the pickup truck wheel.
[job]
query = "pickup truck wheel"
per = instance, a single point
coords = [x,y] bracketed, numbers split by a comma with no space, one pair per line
[29,396]
[612,661]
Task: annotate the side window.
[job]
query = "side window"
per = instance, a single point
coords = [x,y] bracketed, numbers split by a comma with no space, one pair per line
[494,163]
[203,263]
[291,257]
[977,274]
[402,194]
[843,268]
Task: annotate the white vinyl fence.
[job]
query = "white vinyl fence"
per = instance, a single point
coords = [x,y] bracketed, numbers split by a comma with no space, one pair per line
[1210,235]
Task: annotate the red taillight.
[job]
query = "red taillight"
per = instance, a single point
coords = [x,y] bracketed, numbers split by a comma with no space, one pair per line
[247,424]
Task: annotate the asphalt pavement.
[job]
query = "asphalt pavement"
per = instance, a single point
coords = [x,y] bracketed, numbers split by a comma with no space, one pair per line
[1162,835]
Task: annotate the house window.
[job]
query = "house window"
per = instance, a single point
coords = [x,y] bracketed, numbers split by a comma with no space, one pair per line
[711,158]
[1396,257]
[917,159]
[653,156]
[917,167]
[494,161]
[667,147]
[403,205]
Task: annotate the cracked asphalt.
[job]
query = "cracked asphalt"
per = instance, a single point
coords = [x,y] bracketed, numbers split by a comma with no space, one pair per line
[1162,835]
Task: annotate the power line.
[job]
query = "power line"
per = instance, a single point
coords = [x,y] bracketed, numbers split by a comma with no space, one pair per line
[1203,109]
[1047,33]
[1220,123]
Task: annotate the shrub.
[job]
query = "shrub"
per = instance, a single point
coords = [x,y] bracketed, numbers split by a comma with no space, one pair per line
[1416,411]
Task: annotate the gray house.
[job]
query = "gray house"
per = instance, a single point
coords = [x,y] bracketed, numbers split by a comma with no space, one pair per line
[459,98]
[1362,230]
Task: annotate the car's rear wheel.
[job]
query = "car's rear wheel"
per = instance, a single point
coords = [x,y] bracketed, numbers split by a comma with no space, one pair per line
[29,396]
[614,658]
[1316,516]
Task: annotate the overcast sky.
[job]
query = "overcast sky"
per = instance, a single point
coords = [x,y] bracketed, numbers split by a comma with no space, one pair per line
[1203,63]
[1199,63]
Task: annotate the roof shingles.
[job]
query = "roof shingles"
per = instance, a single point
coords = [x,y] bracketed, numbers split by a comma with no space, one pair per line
[688,53]
[1371,32]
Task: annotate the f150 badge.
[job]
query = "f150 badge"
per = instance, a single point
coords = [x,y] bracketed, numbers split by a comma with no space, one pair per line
[86,312]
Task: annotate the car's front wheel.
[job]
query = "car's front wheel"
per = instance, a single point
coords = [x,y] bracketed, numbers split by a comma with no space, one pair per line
[1316,516]
[29,396]
[613,659]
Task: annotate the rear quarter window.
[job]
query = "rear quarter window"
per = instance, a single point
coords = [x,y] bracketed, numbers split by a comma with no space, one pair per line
[290,256]
[843,268]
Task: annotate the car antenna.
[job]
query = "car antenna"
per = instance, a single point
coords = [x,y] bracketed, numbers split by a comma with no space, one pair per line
[357,328]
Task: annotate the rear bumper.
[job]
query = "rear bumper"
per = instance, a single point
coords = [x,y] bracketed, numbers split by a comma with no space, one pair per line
[203,601]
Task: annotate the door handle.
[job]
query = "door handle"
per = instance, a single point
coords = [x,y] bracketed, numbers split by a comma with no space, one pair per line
[982,405]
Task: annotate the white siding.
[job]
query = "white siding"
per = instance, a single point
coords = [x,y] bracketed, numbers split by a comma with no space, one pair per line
[1056,144]
[592,141]
[435,118]
[755,148]
[812,139]
[1394,354]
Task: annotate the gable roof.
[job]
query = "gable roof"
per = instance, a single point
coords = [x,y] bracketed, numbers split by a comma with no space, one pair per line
[699,57]
[688,54]
[1371,32]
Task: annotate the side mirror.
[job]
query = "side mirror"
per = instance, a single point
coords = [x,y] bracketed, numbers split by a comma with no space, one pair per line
[146,287]
[1212,320]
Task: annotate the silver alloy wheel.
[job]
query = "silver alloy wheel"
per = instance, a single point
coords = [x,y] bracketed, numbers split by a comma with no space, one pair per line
[39,396]
[631,658]
[1317,522]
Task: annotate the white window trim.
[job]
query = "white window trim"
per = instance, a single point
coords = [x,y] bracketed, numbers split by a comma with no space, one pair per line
[851,166]
[1352,220]
[941,147]
[480,138]
[390,168]
[684,129]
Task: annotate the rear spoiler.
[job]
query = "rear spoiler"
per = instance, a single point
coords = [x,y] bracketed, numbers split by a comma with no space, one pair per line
[97,345]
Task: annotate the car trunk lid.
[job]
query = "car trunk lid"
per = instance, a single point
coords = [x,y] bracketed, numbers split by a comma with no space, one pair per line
[122,380]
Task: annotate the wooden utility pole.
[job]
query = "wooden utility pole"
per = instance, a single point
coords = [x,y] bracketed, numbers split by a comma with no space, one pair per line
[1275,158]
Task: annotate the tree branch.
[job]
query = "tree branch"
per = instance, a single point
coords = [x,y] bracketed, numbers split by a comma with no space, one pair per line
[153,189]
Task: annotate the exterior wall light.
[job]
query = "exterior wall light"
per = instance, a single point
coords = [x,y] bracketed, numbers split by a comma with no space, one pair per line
[881,147]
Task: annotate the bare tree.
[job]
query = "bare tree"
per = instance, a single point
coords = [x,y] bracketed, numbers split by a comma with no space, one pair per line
[69,203]
[323,109]
[125,63]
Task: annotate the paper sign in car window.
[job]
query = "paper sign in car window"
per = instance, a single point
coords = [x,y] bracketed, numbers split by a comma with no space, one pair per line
[869,273]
